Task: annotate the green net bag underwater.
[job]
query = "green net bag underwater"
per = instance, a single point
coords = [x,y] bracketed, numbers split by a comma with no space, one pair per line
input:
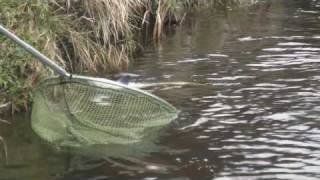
[73,110]
[96,111]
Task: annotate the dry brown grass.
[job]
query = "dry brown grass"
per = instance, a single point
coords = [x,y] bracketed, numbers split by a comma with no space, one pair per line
[5,149]
[95,34]
[173,11]
[80,35]
[101,32]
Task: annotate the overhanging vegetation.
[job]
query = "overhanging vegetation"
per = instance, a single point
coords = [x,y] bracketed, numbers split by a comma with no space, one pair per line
[80,35]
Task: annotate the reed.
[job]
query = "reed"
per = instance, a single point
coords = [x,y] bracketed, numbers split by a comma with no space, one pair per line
[80,35]
[100,35]
[172,12]
[5,149]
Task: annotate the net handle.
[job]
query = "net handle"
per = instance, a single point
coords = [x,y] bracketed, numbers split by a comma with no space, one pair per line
[43,59]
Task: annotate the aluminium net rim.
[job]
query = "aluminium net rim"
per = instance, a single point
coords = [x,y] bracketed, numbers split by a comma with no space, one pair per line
[162,110]
[85,131]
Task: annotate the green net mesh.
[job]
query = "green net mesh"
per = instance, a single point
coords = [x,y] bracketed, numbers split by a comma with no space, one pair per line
[91,111]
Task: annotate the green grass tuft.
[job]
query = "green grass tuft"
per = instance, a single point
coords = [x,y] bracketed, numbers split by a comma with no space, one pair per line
[95,35]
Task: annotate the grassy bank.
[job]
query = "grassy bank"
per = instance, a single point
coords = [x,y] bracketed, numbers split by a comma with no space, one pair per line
[95,35]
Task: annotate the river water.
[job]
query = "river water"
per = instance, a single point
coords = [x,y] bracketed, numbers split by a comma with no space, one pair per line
[251,109]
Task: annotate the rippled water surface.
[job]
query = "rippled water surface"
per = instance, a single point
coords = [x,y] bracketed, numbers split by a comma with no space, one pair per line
[250,109]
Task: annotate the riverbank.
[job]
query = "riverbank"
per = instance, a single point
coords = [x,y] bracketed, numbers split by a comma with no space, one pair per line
[99,36]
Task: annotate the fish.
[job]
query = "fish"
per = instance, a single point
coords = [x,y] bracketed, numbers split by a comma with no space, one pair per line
[125,78]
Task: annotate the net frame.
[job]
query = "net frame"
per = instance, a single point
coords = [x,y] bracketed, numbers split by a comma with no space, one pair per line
[76,129]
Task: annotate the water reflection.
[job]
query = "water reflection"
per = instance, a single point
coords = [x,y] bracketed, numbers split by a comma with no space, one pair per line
[255,116]
[26,157]
[260,121]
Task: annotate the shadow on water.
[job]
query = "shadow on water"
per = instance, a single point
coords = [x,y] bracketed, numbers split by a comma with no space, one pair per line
[26,157]
[255,116]
[30,158]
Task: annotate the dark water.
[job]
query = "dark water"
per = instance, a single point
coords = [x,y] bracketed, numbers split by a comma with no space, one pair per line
[256,114]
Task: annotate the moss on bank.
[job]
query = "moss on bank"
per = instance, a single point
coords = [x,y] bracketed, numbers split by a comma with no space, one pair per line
[80,35]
